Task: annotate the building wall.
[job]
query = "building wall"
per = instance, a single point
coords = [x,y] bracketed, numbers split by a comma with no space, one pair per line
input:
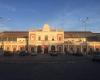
[55,38]
[37,38]
[13,45]
[94,45]
[34,38]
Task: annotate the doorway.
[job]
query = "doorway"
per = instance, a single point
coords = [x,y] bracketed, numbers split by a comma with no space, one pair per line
[46,50]
[39,49]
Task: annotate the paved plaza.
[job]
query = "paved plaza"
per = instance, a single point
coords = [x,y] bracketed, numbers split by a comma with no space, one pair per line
[46,67]
[44,59]
[50,71]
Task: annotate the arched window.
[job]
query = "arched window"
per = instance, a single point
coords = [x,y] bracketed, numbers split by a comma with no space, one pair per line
[14,49]
[39,49]
[52,38]
[52,48]
[32,49]
[60,49]
[84,50]
[21,48]
[7,48]
[65,49]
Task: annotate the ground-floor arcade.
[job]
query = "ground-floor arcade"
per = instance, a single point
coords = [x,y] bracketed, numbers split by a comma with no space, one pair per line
[60,48]
[45,49]
[64,49]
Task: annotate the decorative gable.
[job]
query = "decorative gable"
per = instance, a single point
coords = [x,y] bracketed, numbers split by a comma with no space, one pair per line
[46,28]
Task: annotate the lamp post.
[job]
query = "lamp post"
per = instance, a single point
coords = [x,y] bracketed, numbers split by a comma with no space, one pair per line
[2,44]
[84,22]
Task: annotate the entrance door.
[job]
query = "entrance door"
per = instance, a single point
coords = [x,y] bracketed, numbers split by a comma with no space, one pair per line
[46,50]
[52,48]
[32,49]
[59,49]
[39,49]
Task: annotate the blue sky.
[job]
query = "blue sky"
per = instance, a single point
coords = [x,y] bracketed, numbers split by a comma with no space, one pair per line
[63,14]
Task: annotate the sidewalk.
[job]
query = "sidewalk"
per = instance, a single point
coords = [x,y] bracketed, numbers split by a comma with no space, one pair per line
[44,59]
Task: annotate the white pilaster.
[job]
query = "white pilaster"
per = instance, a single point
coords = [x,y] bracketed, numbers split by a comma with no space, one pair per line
[63,49]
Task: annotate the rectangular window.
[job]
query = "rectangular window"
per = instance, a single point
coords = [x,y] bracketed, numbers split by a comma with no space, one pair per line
[5,39]
[12,39]
[46,38]
[39,38]
[60,39]
[9,39]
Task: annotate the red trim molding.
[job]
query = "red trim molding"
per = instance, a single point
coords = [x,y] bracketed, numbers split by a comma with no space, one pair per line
[32,37]
[59,35]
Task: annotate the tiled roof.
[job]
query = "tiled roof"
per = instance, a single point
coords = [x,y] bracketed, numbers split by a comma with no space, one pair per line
[14,34]
[67,34]
[76,34]
[94,37]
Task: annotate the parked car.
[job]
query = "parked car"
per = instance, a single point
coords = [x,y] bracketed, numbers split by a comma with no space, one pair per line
[1,52]
[8,53]
[53,53]
[96,56]
[33,54]
[24,53]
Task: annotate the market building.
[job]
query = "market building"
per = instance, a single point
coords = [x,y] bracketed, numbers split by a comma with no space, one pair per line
[44,40]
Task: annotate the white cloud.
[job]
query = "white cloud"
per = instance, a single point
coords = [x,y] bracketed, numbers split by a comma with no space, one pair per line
[7,7]
[4,28]
[4,20]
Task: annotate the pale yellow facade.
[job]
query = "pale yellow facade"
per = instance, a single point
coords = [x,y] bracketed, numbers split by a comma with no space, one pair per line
[46,39]
[14,45]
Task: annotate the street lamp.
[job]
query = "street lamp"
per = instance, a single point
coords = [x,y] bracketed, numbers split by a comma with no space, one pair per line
[84,22]
[2,43]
